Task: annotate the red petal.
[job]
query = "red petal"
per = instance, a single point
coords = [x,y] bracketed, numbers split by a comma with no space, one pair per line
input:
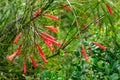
[18,50]
[51,16]
[44,59]
[17,37]
[37,13]
[51,28]
[109,9]
[33,62]
[47,35]
[24,69]
[99,45]
[12,56]
[49,45]
[40,49]
[54,42]
[68,8]
[84,53]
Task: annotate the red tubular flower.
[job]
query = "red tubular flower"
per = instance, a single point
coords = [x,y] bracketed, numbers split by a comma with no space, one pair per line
[109,9]
[17,38]
[84,53]
[33,62]
[40,49]
[54,42]
[51,41]
[44,59]
[41,53]
[24,68]
[37,13]
[51,17]
[49,45]
[47,36]
[43,37]
[18,50]
[100,46]
[51,28]
[12,56]
[66,7]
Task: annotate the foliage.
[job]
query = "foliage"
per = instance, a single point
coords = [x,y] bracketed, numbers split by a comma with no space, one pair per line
[82,22]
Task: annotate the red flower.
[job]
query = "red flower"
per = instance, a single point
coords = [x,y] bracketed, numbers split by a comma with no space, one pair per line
[54,42]
[51,17]
[18,50]
[41,53]
[99,45]
[109,9]
[40,49]
[12,56]
[17,37]
[49,45]
[24,69]
[33,62]
[51,28]
[44,59]
[47,36]
[68,8]
[51,41]
[84,53]
[37,13]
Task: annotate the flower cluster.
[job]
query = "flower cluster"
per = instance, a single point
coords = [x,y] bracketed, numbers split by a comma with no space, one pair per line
[48,39]
[96,44]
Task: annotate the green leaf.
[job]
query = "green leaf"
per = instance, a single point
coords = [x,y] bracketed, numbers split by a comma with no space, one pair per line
[77,53]
[107,69]
[114,76]
[100,64]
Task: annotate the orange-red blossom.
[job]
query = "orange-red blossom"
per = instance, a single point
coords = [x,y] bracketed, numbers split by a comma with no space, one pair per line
[33,62]
[51,17]
[51,41]
[84,53]
[41,53]
[51,28]
[109,9]
[17,38]
[12,56]
[99,45]
[24,68]
[68,8]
